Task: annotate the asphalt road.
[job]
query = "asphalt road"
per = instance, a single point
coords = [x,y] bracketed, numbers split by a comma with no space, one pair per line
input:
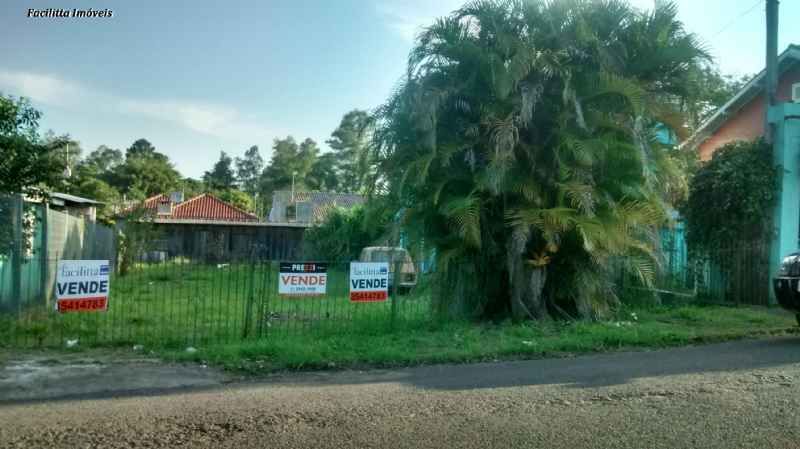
[735,395]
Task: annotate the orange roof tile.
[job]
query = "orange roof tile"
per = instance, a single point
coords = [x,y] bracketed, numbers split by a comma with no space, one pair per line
[202,207]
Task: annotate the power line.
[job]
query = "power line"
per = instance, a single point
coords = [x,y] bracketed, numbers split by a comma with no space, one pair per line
[736,19]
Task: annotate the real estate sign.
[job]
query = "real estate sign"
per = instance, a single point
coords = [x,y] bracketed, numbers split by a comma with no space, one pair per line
[302,278]
[82,286]
[369,281]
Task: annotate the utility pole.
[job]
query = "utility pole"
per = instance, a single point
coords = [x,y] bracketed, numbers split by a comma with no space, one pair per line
[294,173]
[772,66]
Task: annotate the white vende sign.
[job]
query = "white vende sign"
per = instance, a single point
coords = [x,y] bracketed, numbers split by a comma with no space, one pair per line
[82,285]
[369,281]
[302,278]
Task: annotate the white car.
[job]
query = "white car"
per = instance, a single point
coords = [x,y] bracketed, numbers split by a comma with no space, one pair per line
[394,255]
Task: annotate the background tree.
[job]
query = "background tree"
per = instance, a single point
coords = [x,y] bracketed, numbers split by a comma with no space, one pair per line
[137,235]
[307,155]
[65,149]
[146,172]
[237,198]
[94,177]
[345,232]
[143,148]
[221,177]
[350,145]
[287,158]
[26,162]
[708,91]
[248,170]
[192,187]
[522,147]
[102,163]
[96,189]
[27,165]
[324,175]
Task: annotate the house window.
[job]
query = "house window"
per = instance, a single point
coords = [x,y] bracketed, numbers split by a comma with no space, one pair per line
[303,212]
[165,208]
[291,212]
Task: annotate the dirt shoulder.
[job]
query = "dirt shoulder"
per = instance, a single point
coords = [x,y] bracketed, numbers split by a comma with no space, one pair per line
[46,375]
[738,394]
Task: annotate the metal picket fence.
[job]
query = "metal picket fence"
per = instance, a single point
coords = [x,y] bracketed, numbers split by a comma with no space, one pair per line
[183,301]
[735,274]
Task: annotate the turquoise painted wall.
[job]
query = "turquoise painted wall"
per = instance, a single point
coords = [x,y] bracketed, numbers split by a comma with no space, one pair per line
[785,118]
[31,269]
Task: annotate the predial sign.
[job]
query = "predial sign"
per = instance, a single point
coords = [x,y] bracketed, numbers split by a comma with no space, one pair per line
[302,279]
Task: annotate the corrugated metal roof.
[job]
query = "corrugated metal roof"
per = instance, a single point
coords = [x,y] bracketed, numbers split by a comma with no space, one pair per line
[73,198]
[205,207]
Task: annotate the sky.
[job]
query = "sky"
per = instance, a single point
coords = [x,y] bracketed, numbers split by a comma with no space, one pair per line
[196,77]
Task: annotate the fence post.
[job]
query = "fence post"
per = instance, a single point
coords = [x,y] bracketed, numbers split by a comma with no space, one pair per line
[395,290]
[44,254]
[16,250]
[248,315]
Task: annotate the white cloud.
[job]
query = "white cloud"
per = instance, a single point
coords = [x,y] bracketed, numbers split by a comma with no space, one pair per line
[214,120]
[403,23]
[41,88]
[211,119]
[407,19]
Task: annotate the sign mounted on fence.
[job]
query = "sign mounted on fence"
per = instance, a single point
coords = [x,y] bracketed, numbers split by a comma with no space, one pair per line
[82,285]
[369,281]
[302,279]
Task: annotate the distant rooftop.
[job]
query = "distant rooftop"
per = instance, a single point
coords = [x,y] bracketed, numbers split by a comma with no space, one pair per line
[310,207]
[205,207]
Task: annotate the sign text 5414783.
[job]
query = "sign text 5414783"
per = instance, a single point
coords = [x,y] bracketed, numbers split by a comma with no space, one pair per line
[369,281]
[82,285]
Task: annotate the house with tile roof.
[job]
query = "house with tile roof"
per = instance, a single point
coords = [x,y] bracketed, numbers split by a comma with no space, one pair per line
[742,116]
[309,208]
[205,227]
[205,208]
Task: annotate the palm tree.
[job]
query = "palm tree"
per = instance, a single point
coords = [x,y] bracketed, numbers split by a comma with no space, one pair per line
[521,145]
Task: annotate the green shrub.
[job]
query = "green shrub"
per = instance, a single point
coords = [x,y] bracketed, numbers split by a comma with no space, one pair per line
[739,185]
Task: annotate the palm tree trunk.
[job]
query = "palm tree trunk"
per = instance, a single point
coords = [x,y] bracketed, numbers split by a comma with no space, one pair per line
[526,282]
[527,286]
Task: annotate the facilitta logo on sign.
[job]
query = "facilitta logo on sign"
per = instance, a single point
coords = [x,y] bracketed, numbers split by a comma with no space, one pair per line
[82,285]
[302,279]
[369,281]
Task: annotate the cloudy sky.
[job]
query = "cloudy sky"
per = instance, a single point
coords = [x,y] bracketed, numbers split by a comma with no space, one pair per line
[198,76]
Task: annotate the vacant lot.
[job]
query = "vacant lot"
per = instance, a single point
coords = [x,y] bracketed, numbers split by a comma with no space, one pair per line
[231,315]
[184,303]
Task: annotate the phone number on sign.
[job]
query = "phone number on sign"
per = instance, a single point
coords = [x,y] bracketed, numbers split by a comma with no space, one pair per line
[78,305]
[368,296]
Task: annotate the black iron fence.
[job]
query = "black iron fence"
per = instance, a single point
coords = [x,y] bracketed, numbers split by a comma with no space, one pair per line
[736,274]
[189,302]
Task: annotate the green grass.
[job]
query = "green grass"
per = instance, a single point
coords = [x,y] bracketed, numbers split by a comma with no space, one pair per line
[418,343]
[174,305]
[234,317]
